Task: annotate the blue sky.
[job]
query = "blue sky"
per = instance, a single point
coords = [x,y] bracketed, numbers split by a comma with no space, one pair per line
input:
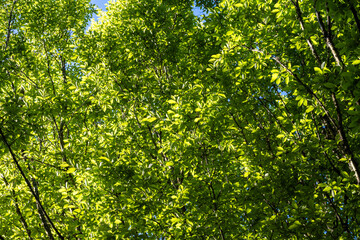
[101,4]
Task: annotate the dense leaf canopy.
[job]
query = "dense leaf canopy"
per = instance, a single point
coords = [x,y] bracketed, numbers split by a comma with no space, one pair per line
[157,124]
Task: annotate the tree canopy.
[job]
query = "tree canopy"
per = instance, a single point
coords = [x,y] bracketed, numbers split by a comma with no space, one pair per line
[154,123]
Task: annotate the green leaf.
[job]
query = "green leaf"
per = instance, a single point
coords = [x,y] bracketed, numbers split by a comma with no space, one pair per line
[280,149]
[172,102]
[230,33]
[104,158]
[168,164]
[300,102]
[318,70]
[329,85]
[64,165]
[275,10]
[149,120]
[278,81]
[148,123]
[71,170]
[274,77]
[295,225]
[309,109]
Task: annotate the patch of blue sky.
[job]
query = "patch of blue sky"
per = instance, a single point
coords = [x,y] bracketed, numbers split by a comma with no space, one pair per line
[101,4]
[198,11]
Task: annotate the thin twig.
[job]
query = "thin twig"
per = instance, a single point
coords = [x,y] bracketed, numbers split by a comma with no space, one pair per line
[9,25]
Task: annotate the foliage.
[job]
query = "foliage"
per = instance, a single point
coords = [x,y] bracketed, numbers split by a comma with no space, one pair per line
[157,124]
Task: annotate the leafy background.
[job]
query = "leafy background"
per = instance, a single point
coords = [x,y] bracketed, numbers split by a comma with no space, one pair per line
[153,123]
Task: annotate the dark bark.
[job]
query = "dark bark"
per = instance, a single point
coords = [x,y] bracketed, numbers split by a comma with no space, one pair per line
[28,183]
[328,40]
[18,211]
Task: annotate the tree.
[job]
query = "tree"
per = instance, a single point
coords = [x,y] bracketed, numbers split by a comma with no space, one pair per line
[157,124]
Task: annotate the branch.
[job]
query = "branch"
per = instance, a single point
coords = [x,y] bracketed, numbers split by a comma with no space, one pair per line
[60,137]
[352,163]
[287,111]
[269,112]
[308,89]
[9,25]
[48,67]
[63,68]
[41,213]
[344,224]
[214,199]
[302,26]
[241,129]
[29,184]
[353,10]
[18,211]
[328,40]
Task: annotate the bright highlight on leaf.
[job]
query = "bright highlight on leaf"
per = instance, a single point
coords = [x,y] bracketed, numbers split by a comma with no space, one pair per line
[309,109]
[295,225]
[71,170]
[104,158]
[172,102]
[230,33]
[149,120]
